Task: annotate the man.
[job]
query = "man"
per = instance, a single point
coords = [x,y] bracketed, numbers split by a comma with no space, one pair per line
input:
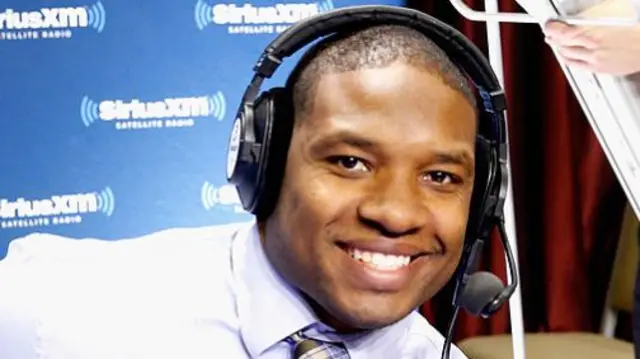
[369,224]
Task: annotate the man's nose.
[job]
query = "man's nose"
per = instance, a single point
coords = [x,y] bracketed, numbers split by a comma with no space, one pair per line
[395,206]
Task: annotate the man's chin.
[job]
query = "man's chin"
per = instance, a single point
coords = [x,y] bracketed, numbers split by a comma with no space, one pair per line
[359,323]
[364,317]
[366,311]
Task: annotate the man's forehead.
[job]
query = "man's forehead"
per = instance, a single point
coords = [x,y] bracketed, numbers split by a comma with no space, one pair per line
[371,85]
[415,124]
[401,101]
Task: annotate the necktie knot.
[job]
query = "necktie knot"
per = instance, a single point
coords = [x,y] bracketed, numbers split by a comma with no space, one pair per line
[304,347]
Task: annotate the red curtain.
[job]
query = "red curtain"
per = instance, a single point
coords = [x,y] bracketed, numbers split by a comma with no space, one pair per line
[568,202]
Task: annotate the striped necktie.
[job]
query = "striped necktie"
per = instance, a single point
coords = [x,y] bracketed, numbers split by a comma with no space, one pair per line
[307,348]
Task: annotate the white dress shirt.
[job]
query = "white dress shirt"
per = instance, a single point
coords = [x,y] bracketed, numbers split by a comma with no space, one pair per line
[182,293]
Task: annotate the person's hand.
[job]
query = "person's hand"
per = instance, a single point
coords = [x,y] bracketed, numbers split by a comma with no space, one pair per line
[608,49]
[613,50]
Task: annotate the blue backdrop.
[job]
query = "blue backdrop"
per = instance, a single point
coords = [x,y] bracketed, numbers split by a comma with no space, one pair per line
[115,114]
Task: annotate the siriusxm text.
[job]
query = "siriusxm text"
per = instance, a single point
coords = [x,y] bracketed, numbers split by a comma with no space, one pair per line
[229,14]
[170,107]
[46,18]
[56,205]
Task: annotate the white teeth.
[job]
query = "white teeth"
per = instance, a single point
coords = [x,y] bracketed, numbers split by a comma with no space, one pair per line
[380,260]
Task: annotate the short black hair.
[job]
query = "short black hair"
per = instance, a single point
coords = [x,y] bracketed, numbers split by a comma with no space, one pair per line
[372,47]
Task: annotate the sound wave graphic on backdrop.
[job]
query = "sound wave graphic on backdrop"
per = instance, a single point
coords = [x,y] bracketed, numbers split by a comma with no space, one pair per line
[88,111]
[203,14]
[217,106]
[324,6]
[97,16]
[223,197]
[278,13]
[106,201]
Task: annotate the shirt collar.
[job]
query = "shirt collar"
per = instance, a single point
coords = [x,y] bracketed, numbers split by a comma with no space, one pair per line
[270,310]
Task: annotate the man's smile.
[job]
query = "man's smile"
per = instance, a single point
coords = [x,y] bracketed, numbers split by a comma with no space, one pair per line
[382,265]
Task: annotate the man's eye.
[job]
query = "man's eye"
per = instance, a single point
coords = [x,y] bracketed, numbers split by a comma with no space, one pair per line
[350,163]
[441,178]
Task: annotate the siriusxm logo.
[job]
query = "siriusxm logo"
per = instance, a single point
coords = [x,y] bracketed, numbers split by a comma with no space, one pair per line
[168,112]
[224,197]
[53,22]
[252,19]
[56,210]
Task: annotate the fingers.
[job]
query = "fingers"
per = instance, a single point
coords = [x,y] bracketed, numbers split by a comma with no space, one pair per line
[573,45]
[560,34]
[556,28]
[576,53]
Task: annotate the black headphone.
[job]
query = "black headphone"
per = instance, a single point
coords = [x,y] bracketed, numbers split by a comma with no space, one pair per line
[262,129]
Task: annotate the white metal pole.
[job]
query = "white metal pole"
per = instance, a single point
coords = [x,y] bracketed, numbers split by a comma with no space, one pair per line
[515,302]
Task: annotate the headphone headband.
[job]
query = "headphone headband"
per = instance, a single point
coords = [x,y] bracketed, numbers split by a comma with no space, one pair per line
[343,19]
[461,51]
[246,148]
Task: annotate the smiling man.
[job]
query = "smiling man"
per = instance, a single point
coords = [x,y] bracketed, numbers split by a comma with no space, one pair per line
[374,203]
[368,225]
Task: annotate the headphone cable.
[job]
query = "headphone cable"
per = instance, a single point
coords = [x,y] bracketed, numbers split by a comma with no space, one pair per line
[446,349]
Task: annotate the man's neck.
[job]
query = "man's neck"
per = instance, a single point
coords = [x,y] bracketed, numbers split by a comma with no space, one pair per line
[317,309]
[328,319]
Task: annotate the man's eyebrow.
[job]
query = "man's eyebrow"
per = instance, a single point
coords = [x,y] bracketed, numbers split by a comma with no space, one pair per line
[456,157]
[460,157]
[344,138]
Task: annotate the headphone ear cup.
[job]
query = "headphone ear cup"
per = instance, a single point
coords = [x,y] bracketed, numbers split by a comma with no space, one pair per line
[482,187]
[274,124]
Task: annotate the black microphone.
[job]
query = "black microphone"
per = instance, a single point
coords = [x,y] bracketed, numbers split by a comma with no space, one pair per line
[482,290]
[481,293]
[484,293]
